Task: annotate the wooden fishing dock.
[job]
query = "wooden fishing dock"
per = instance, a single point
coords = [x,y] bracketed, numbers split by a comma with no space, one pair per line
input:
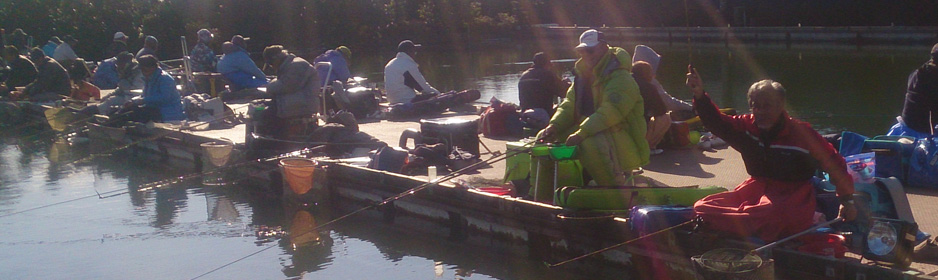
[525,228]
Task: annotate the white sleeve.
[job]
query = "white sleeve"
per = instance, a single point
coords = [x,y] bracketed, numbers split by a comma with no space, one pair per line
[427,88]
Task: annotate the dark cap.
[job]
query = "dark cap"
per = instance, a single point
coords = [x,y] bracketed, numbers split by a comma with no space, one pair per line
[149,61]
[55,39]
[541,59]
[69,38]
[124,57]
[407,46]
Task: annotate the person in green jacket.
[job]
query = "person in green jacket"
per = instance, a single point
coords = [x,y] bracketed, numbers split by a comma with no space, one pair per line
[603,113]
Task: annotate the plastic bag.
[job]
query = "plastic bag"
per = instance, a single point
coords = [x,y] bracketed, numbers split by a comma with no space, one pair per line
[861,167]
[923,165]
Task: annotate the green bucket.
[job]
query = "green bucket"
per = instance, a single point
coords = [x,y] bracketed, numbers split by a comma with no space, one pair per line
[562,152]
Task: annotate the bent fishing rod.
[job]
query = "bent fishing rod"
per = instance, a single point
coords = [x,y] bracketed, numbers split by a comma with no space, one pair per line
[409,192]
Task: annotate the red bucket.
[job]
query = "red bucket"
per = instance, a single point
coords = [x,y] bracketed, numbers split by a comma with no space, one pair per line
[828,244]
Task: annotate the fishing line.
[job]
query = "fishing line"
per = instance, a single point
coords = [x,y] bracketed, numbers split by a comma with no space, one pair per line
[620,244]
[399,196]
[59,203]
[687,26]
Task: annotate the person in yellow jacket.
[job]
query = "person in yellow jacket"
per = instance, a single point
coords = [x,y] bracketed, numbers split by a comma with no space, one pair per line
[603,113]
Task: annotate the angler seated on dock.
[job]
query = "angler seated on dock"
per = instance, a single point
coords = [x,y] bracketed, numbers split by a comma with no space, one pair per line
[160,101]
[403,80]
[238,68]
[21,72]
[602,113]
[202,56]
[51,82]
[781,155]
[81,88]
[293,91]
[127,77]
[920,112]
[539,86]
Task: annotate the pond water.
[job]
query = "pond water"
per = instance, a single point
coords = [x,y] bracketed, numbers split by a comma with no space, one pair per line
[54,225]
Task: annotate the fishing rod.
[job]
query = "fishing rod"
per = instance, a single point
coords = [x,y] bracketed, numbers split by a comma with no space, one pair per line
[690,50]
[620,244]
[409,192]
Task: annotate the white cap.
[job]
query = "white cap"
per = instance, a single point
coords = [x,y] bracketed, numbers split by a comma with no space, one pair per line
[589,38]
[119,35]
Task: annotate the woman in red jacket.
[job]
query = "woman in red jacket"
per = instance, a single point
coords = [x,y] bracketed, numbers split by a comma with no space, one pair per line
[781,155]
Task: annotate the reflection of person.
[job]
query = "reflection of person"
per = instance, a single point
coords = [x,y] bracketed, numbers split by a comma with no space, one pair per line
[539,86]
[781,154]
[21,73]
[402,78]
[656,114]
[920,112]
[603,113]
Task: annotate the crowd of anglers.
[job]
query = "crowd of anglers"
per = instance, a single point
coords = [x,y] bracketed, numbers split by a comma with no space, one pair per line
[614,111]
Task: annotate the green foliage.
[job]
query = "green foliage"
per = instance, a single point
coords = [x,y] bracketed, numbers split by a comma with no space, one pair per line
[313,25]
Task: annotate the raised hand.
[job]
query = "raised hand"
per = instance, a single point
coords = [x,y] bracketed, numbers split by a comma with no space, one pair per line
[694,82]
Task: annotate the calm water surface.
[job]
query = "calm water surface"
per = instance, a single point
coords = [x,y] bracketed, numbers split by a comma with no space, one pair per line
[185,230]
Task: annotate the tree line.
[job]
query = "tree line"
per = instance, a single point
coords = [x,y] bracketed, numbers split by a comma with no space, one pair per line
[378,25]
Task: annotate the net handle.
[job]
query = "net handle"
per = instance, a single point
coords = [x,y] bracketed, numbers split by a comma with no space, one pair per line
[783,240]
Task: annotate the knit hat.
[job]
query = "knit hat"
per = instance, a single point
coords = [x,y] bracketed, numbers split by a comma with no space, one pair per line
[205,35]
[120,36]
[345,51]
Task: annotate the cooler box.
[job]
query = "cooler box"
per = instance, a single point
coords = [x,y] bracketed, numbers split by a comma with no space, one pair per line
[459,131]
[623,198]
[518,165]
[645,219]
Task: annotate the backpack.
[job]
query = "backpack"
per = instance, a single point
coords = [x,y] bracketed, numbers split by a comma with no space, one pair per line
[501,119]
